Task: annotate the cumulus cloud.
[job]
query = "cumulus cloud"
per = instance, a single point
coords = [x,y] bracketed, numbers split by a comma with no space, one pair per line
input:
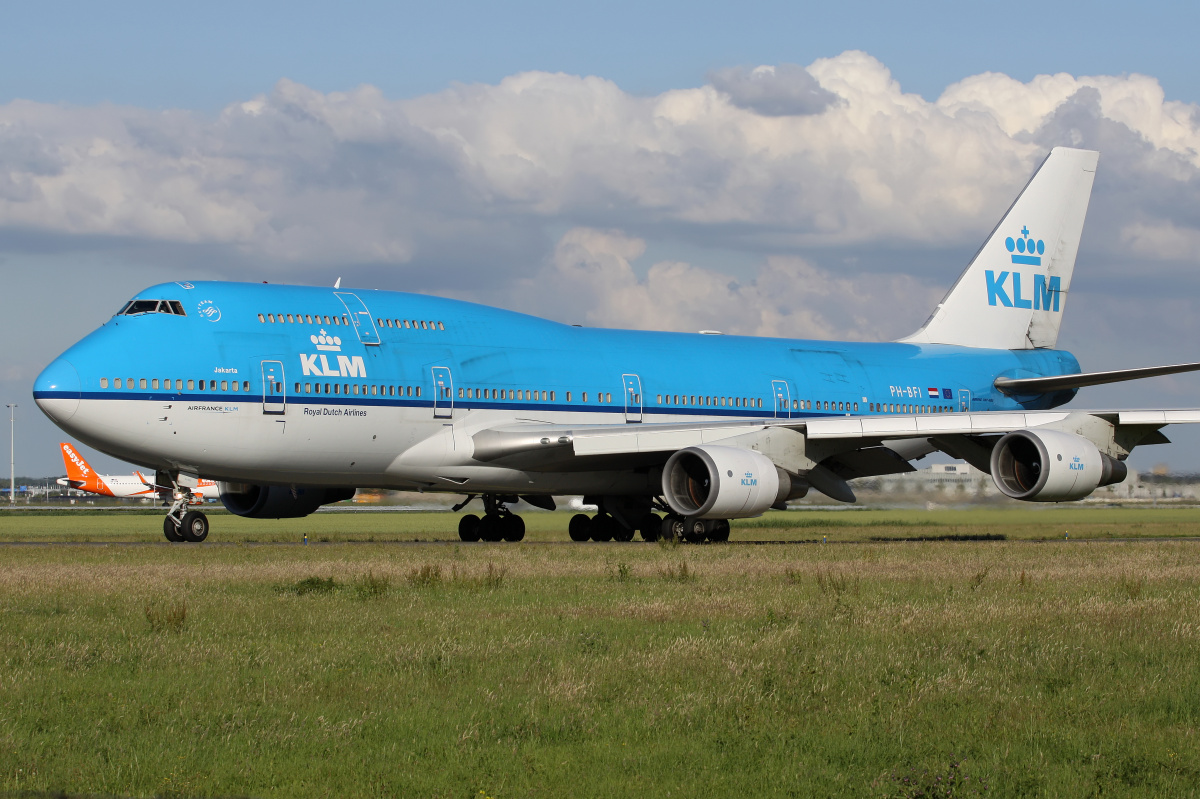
[775,91]
[592,278]
[786,164]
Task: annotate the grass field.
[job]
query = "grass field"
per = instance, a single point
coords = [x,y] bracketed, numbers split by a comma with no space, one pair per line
[849,525]
[870,668]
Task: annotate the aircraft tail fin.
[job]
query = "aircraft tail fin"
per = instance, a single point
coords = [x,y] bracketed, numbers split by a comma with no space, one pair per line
[1013,293]
[80,474]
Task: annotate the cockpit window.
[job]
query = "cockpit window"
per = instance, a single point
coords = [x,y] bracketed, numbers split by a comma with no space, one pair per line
[132,307]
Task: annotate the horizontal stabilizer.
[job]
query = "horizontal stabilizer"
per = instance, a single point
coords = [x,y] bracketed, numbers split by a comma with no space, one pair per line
[1042,385]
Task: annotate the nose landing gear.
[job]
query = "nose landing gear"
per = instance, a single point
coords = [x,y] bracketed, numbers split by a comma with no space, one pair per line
[182,524]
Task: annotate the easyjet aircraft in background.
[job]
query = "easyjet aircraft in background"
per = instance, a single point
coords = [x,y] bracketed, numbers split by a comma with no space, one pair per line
[81,476]
[293,396]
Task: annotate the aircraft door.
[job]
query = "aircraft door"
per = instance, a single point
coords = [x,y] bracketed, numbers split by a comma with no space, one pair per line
[274,387]
[443,393]
[633,397]
[360,317]
[783,399]
[964,400]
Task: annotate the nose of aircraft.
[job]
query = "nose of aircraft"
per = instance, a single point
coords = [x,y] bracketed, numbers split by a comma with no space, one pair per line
[56,390]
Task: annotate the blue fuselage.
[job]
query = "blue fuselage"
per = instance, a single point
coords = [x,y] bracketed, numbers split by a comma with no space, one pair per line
[305,353]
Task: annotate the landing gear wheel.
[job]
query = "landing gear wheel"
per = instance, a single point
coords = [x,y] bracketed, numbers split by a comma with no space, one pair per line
[672,528]
[194,527]
[171,531]
[719,530]
[695,531]
[513,527]
[468,527]
[650,527]
[491,527]
[603,527]
[580,528]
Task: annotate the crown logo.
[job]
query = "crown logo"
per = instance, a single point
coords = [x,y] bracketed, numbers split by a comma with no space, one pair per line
[1025,250]
[326,342]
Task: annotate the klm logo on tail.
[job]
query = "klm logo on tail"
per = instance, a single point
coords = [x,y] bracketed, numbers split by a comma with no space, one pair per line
[1027,252]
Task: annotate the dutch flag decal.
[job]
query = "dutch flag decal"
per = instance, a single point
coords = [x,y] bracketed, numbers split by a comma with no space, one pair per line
[933,393]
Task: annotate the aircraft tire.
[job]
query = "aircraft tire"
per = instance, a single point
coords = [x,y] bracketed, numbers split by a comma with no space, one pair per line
[695,531]
[194,527]
[171,531]
[468,527]
[603,527]
[672,528]
[718,530]
[651,527]
[491,527]
[514,527]
[580,528]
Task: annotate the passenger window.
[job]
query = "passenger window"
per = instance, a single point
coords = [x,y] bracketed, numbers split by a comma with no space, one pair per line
[356,388]
[154,383]
[117,382]
[552,396]
[583,396]
[441,326]
[191,385]
[129,382]
[418,392]
[608,397]
[307,388]
[423,327]
[326,320]
[345,320]
[104,382]
[225,385]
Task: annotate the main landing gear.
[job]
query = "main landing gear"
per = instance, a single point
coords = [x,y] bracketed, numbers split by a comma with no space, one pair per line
[694,531]
[182,524]
[498,522]
[608,527]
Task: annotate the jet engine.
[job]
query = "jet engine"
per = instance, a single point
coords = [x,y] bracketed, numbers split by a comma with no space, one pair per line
[278,502]
[714,482]
[1051,466]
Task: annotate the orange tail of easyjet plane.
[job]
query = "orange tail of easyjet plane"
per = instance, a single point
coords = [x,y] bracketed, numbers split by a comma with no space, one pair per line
[80,474]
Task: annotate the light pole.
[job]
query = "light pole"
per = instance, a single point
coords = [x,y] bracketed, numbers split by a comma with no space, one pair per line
[12,449]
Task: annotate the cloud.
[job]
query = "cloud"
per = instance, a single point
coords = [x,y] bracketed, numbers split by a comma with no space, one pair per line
[592,278]
[473,186]
[774,91]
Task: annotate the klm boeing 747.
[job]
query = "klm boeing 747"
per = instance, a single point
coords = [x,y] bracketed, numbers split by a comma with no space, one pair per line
[292,397]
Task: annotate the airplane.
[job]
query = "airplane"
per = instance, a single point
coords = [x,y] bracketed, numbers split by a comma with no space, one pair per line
[291,397]
[81,476]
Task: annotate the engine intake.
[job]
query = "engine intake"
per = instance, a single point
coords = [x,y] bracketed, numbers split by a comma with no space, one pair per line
[713,482]
[278,502]
[1051,466]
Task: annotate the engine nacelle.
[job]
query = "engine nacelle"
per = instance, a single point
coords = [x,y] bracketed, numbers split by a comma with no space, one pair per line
[714,482]
[1051,466]
[278,502]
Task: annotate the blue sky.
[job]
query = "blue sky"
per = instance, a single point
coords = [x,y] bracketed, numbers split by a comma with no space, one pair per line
[625,156]
[206,55]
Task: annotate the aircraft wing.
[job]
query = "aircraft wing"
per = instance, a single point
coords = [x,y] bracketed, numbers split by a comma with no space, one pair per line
[836,442]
